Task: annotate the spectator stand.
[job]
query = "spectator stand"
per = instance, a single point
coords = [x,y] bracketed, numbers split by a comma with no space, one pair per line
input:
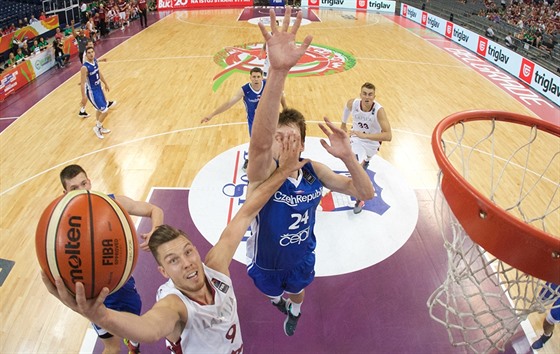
[471,14]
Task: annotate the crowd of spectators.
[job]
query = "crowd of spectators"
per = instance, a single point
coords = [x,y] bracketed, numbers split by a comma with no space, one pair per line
[22,22]
[97,19]
[536,22]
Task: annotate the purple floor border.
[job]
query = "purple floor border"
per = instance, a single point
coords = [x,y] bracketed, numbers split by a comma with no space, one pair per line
[380,309]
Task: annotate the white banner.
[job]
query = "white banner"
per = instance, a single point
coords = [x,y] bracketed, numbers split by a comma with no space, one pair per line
[538,78]
[42,61]
[369,5]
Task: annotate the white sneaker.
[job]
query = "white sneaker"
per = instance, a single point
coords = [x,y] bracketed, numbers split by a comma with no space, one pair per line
[97,132]
[104,130]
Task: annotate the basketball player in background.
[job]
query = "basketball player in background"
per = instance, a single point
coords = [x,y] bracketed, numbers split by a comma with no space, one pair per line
[90,84]
[110,104]
[552,316]
[251,94]
[196,309]
[74,177]
[370,127]
[282,243]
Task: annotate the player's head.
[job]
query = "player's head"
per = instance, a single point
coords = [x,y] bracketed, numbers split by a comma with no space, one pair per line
[367,92]
[90,54]
[256,75]
[290,120]
[89,44]
[74,177]
[178,258]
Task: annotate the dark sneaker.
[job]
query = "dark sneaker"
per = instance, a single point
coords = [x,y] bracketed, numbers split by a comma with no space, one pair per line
[111,104]
[132,349]
[83,114]
[244,168]
[359,206]
[539,343]
[366,165]
[281,306]
[290,324]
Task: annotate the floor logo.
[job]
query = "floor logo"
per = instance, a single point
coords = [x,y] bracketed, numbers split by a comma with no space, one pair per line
[317,61]
[346,242]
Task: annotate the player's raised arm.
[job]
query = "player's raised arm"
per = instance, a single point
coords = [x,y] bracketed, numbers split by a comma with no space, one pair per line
[283,54]
[338,145]
[219,257]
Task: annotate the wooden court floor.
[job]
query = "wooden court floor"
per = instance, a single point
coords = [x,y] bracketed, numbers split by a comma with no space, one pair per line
[163,80]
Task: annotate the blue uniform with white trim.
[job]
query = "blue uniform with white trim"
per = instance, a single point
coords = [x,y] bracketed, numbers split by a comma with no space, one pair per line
[282,244]
[94,92]
[126,299]
[251,99]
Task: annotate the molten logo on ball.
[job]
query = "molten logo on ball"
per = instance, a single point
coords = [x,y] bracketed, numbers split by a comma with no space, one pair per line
[87,237]
[72,248]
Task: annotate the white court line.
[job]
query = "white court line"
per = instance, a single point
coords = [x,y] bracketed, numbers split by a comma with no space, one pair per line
[9,118]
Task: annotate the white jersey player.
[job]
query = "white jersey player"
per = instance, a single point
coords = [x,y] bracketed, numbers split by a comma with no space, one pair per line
[370,127]
[196,311]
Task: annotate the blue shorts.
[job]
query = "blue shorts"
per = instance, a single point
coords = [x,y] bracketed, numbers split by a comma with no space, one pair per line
[274,283]
[552,292]
[97,99]
[554,315]
[126,299]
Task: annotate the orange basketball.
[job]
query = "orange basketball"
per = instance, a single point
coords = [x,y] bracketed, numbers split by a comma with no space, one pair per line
[87,237]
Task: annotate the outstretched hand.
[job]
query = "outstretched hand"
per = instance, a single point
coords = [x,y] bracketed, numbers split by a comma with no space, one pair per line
[92,309]
[283,53]
[288,160]
[338,139]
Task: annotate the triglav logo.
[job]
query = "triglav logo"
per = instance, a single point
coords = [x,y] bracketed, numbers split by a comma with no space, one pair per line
[449,29]
[404,9]
[387,221]
[526,70]
[314,2]
[424,19]
[433,23]
[361,4]
[482,46]
[317,61]
[497,54]
[412,13]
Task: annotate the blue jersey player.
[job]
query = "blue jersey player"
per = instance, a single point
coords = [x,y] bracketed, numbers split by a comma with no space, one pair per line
[91,79]
[251,94]
[282,245]
[127,299]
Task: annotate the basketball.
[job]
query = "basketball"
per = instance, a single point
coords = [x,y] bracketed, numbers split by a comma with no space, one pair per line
[87,237]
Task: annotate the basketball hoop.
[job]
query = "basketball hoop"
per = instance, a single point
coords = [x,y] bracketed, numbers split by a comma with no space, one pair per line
[500,220]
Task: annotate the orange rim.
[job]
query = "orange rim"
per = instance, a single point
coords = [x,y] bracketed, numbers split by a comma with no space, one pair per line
[508,238]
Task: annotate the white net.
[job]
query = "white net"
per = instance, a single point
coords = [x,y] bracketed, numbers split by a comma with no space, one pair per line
[483,300]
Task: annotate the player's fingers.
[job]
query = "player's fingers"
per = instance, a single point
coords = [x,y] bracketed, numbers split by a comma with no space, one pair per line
[264,32]
[273,26]
[102,296]
[324,129]
[325,144]
[306,43]
[297,23]
[286,21]
[50,286]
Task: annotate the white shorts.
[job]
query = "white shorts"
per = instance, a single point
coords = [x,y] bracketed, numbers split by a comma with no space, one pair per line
[364,148]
